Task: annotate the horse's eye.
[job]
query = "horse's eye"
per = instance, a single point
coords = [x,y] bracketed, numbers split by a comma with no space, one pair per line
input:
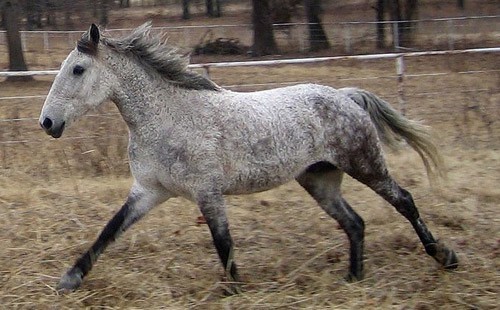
[78,70]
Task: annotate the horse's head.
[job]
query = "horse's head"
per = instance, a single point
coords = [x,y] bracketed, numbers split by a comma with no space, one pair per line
[83,83]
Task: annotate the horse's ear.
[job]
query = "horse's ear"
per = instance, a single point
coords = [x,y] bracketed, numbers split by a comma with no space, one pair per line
[94,34]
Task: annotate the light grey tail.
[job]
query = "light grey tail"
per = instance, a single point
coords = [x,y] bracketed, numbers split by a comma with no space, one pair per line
[392,126]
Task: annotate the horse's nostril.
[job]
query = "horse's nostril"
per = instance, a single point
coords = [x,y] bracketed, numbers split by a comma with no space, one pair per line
[47,123]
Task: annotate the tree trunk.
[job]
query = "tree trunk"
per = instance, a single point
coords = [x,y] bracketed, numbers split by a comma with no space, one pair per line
[317,35]
[217,9]
[124,3]
[68,11]
[380,26]
[185,9]
[30,14]
[395,13]
[103,12]
[411,13]
[210,8]
[213,8]
[16,56]
[263,36]
[50,14]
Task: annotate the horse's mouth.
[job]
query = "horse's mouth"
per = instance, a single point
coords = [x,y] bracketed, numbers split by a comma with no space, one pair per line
[56,131]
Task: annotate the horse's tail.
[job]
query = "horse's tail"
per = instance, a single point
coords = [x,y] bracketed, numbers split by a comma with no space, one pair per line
[392,126]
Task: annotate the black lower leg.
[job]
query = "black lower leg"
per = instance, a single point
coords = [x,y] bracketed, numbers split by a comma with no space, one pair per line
[224,245]
[74,276]
[211,205]
[354,227]
[406,206]
[322,181]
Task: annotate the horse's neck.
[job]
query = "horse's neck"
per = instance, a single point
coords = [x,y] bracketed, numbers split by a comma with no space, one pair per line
[140,96]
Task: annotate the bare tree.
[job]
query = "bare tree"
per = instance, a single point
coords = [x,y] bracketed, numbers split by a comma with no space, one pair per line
[10,17]
[402,13]
[103,12]
[210,8]
[213,8]
[124,3]
[263,36]
[380,25]
[34,10]
[283,10]
[185,9]
[410,14]
[317,35]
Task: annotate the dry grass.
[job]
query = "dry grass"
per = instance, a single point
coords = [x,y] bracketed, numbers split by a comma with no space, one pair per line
[56,195]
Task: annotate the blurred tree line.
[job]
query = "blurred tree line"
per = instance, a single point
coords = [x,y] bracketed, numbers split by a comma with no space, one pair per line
[266,14]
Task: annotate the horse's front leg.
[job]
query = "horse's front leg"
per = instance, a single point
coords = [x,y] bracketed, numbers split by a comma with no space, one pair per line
[138,203]
[213,209]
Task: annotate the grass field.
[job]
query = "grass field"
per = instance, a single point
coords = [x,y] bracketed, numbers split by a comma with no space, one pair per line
[56,196]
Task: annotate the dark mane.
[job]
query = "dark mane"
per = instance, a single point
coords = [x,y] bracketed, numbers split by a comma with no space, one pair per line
[153,52]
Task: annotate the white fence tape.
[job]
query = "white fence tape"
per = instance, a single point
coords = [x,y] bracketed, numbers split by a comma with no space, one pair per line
[207,66]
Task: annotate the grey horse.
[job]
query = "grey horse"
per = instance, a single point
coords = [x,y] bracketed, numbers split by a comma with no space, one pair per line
[189,137]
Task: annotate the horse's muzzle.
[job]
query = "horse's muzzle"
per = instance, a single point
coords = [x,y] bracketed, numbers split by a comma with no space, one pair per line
[55,130]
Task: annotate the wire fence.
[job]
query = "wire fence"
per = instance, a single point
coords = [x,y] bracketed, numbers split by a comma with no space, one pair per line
[456,92]
[346,38]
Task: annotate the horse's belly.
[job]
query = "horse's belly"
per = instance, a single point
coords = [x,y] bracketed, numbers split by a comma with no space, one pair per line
[258,179]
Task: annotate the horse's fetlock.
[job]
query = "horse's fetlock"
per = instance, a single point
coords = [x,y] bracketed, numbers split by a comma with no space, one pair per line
[431,249]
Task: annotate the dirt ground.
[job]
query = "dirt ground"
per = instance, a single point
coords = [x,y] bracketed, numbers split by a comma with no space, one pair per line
[56,196]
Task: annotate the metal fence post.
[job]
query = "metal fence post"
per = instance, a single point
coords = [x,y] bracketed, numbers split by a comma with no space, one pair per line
[23,41]
[395,35]
[347,38]
[46,46]
[302,39]
[400,70]
[450,27]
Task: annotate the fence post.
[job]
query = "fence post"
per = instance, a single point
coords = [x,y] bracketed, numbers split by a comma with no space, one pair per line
[302,39]
[395,35]
[23,41]
[207,71]
[347,38]
[46,41]
[450,27]
[400,70]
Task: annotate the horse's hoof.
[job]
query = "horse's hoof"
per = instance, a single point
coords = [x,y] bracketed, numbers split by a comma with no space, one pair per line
[70,281]
[232,289]
[445,256]
[452,261]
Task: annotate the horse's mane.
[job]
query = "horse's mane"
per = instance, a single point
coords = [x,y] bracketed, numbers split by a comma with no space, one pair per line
[153,52]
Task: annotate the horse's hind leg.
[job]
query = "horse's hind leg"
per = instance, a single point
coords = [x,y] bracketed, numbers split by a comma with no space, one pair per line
[381,182]
[322,181]
[402,200]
